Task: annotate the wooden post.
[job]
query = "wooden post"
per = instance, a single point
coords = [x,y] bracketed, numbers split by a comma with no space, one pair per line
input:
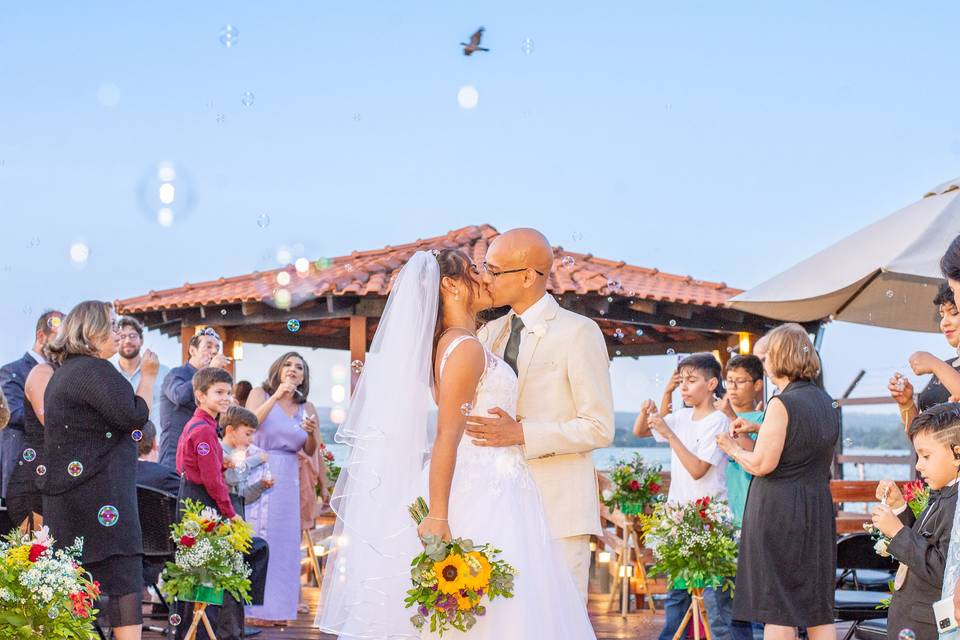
[226,340]
[358,346]
[186,332]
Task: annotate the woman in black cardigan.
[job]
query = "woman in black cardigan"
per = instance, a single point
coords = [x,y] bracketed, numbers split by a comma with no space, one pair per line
[89,480]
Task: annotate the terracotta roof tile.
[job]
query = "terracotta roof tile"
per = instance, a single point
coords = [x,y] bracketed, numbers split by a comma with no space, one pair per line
[370,273]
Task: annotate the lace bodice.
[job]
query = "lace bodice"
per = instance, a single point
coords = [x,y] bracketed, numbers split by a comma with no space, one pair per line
[491,466]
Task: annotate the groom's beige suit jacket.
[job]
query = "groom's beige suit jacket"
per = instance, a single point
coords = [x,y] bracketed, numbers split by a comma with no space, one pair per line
[566,408]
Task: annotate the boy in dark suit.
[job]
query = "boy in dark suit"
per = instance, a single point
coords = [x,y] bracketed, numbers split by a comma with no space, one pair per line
[921,543]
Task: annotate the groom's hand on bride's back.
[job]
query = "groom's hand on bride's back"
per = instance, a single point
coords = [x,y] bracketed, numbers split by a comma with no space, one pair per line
[501,430]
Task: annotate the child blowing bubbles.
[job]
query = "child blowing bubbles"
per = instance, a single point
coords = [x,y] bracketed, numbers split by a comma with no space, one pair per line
[921,543]
[241,456]
[696,468]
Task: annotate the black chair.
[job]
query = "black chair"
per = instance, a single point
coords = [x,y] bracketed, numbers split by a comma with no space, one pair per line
[855,553]
[872,630]
[158,511]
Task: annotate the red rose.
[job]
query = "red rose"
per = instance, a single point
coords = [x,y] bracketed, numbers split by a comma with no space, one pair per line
[328,456]
[654,487]
[635,485]
[188,541]
[35,552]
[210,526]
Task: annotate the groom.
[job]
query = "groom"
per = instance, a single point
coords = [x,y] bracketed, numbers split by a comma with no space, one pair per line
[565,407]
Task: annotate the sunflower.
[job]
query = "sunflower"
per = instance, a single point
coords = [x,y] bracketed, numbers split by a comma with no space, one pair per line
[451,573]
[479,577]
[465,603]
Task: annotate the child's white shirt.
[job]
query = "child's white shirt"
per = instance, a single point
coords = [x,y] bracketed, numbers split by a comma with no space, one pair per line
[700,438]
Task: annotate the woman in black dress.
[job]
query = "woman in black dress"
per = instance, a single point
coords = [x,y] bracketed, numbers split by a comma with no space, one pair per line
[786,569]
[946,378]
[88,478]
[24,503]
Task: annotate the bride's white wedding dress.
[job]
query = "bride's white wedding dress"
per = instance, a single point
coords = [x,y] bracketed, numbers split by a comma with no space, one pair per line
[493,497]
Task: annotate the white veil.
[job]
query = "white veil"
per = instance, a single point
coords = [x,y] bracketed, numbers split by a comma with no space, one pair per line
[368,572]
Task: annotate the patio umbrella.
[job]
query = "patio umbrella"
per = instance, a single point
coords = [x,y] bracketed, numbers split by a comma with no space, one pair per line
[885,274]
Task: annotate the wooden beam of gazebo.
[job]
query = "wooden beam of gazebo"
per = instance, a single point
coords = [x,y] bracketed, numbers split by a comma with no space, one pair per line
[338,302]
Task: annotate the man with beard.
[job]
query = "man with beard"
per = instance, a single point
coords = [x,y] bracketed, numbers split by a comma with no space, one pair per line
[13,375]
[129,358]
[177,403]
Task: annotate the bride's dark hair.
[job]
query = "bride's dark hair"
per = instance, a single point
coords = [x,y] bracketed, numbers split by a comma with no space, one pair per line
[455,264]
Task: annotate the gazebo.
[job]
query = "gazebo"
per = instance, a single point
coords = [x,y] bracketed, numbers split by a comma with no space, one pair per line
[336,303]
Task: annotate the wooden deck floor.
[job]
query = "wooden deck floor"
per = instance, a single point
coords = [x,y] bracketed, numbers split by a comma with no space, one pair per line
[636,627]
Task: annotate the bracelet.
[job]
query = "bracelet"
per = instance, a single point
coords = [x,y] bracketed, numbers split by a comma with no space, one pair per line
[433,518]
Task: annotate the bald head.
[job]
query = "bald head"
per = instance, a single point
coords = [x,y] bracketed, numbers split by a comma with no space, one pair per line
[526,247]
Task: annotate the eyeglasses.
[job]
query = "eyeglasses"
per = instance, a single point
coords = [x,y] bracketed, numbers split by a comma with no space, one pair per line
[738,383]
[497,274]
[133,335]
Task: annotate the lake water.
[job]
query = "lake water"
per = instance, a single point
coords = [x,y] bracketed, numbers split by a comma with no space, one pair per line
[607,458]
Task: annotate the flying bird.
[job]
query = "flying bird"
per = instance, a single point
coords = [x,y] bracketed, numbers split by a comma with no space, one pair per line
[474,44]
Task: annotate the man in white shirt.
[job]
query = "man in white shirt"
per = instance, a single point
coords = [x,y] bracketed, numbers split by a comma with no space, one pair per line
[128,360]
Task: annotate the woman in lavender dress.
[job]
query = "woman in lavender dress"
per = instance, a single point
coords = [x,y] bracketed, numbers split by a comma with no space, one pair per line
[288,424]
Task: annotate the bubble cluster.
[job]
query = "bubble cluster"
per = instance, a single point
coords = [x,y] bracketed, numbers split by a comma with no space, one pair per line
[618,334]
[229,36]
[356,366]
[293,325]
[466,408]
[108,515]
[75,468]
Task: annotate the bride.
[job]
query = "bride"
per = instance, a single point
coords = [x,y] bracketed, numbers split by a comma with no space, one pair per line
[425,351]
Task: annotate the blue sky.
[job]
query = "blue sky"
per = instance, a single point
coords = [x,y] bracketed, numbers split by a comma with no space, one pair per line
[727,142]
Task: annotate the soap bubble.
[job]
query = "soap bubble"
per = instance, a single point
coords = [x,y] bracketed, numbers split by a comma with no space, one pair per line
[890,294]
[526,45]
[293,325]
[466,408]
[848,442]
[835,405]
[75,468]
[53,612]
[639,332]
[247,99]
[137,435]
[906,634]
[468,97]
[618,334]
[29,454]
[614,286]
[671,352]
[673,323]
[357,366]
[41,470]
[568,262]
[229,36]
[263,220]
[174,620]
[191,528]
[79,253]
[108,515]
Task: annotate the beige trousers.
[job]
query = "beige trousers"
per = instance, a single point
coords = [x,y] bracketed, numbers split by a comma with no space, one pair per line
[575,551]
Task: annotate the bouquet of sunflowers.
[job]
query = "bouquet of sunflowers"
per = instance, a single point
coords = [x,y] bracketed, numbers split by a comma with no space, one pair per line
[451,580]
[44,593]
[209,557]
